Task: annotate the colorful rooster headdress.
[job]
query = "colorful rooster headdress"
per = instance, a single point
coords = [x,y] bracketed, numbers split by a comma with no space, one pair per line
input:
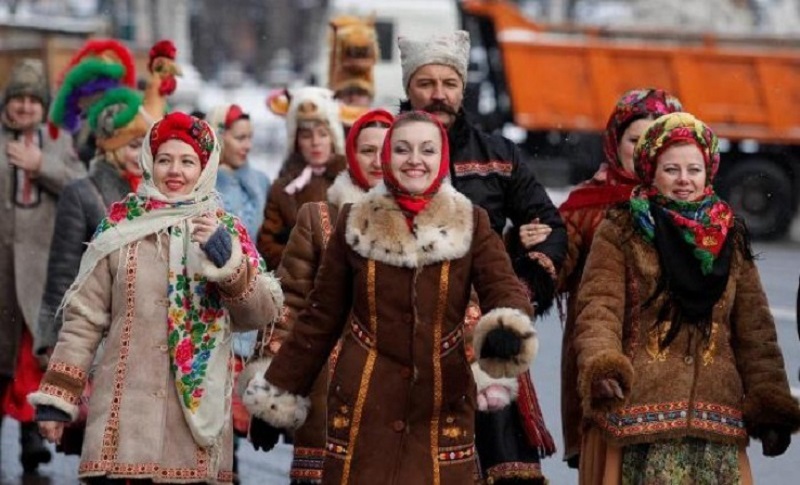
[99,85]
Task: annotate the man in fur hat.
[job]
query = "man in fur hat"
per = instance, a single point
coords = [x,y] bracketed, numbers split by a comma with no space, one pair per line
[492,172]
[35,163]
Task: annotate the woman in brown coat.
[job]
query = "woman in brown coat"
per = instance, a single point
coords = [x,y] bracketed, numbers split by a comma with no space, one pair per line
[394,285]
[299,266]
[677,350]
[315,148]
[167,278]
[583,212]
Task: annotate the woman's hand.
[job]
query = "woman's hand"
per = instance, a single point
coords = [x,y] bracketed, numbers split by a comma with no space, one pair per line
[534,233]
[203,227]
[52,431]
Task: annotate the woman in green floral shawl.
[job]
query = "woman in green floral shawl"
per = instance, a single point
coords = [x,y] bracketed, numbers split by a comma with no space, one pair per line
[678,359]
[166,279]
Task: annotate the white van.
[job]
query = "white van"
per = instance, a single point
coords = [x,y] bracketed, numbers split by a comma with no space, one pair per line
[411,18]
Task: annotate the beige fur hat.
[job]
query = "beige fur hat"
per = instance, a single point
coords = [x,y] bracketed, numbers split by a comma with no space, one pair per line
[28,78]
[450,49]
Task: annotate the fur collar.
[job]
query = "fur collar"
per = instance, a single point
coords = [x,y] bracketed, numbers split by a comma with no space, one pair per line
[376,229]
[344,191]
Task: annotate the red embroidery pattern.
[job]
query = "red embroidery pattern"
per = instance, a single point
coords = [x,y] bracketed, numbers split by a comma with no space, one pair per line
[237,272]
[61,393]
[111,433]
[657,418]
[482,169]
[307,464]
[456,454]
[545,262]
[362,336]
[153,470]
[70,370]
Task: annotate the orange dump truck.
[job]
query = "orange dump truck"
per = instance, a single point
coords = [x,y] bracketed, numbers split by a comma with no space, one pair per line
[559,84]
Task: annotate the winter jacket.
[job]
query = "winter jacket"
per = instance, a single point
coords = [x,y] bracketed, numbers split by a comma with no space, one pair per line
[401,401]
[492,172]
[82,206]
[136,427]
[25,238]
[244,194]
[280,214]
[724,389]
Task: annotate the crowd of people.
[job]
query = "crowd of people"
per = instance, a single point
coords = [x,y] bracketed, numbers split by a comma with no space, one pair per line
[375,304]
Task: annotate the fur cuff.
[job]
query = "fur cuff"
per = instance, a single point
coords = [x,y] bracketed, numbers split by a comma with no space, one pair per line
[606,364]
[272,404]
[538,273]
[516,321]
[40,398]
[484,380]
[770,406]
[275,292]
[215,274]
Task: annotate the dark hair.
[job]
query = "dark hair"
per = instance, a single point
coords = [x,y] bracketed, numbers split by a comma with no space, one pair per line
[624,126]
[414,116]
[374,124]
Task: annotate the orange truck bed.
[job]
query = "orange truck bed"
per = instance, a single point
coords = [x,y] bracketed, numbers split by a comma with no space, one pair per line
[567,79]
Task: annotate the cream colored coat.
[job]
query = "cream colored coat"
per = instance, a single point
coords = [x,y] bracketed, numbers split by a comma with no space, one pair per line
[136,427]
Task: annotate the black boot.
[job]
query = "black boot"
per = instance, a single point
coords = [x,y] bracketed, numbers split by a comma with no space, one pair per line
[34,451]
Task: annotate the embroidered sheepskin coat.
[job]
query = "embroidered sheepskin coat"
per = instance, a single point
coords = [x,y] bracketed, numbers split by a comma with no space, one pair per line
[726,389]
[136,428]
[402,400]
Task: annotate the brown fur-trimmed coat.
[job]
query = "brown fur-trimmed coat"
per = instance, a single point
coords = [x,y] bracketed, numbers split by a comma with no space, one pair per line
[280,213]
[401,401]
[727,389]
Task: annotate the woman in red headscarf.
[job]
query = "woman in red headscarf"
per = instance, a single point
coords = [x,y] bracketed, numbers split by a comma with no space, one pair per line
[582,212]
[166,279]
[299,265]
[394,285]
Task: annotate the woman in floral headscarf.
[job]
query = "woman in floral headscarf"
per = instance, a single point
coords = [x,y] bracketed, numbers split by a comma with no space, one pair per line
[583,211]
[677,350]
[394,285]
[166,279]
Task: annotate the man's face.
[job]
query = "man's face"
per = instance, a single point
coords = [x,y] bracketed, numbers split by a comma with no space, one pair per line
[24,112]
[437,89]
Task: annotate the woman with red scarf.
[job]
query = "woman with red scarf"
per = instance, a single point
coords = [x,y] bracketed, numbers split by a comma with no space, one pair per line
[583,211]
[394,285]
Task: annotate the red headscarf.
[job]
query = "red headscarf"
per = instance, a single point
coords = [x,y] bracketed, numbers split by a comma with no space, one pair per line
[186,128]
[413,204]
[612,184]
[351,145]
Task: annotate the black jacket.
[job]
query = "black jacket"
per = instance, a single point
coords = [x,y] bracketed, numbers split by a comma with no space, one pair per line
[81,207]
[492,172]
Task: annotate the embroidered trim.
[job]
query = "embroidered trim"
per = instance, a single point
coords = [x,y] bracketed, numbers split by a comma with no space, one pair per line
[515,469]
[70,370]
[455,454]
[243,296]
[111,432]
[362,336]
[444,286]
[452,341]
[336,449]
[152,470]
[61,393]
[236,273]
[307,464]
[657,418]
[545,262]
[366,375]
[482,169]
[325,223]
